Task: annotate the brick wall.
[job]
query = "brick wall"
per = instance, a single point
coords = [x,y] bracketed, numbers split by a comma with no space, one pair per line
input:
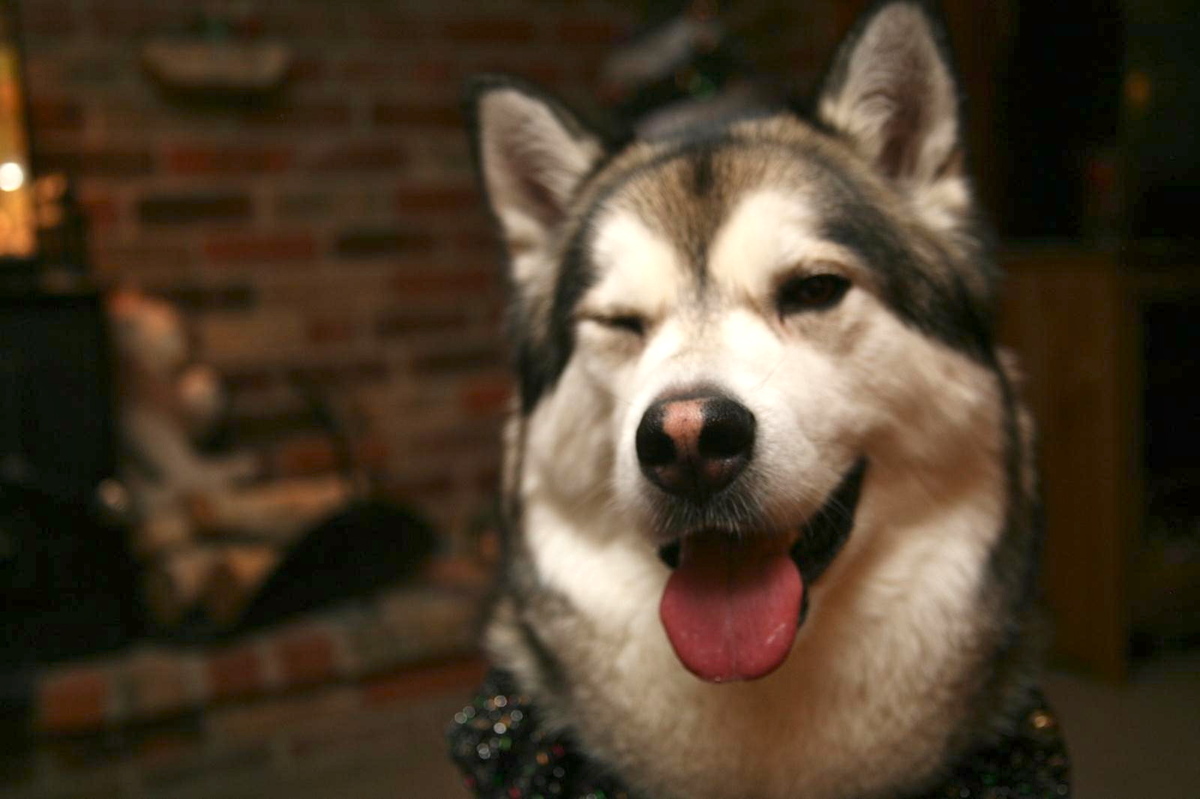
[335,230]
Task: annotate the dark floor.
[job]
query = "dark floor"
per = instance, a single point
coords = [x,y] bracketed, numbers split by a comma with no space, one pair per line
[1137,741]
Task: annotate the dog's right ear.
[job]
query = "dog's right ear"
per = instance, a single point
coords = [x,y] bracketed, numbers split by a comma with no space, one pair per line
[532,154]
[893,94]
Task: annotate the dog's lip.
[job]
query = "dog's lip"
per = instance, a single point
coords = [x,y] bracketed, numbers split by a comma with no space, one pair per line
[668,553]
[816,541]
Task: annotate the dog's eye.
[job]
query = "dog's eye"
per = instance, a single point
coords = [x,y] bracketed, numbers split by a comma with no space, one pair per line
[629,323]
[812,293]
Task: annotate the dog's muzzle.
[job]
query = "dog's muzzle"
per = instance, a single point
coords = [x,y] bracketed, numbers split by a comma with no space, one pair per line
[693,446]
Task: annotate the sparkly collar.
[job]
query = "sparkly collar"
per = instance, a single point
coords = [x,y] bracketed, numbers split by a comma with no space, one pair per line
[504,754]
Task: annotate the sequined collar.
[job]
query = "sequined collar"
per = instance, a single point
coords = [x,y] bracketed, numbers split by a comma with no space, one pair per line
[504,754]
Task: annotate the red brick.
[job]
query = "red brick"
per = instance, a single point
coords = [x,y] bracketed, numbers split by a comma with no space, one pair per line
[350,372]
[123,258]
[425,680]
[261,248]
[460,441]
[92,71]
[234,673]
[98,162]
[435,71]
[306,657]
[267,427]
[55,115]
[101,211]
[301,116]
[74,701]
[459,359]
[230,297]
[308,69]
[372,70]
[418,115]
[490,30]
[446,283]
[315,454]
[304,456]
[124,17]
[487,397]
[359,157]
[49,18]
[331,331]
[396,27]
[373,454]
[250,379]
[436,199]
[487,480]
[374,243]
[158,684]
[483,241]
[321,20]
[174,209]
[208,160]
[409,321]
[420,488]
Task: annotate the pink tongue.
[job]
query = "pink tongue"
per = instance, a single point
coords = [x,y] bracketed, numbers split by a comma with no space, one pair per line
[731,607]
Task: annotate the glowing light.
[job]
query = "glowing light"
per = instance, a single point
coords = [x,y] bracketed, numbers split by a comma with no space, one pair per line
[12,176]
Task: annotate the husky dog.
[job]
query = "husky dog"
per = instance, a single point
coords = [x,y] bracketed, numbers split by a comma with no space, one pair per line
[773,525]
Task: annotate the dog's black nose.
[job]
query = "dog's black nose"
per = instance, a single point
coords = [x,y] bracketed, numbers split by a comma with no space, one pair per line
[695,446]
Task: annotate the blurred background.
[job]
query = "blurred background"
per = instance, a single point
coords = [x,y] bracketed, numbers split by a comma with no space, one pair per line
[251,379]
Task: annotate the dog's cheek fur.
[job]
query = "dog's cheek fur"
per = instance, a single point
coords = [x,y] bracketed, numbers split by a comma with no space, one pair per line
[930,400]
[809,426]
[576,418]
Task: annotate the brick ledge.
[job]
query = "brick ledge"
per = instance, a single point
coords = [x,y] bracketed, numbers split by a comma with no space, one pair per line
[402,627]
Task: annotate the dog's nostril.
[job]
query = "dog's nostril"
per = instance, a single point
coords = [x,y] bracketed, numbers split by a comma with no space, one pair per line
[728,430]
[654,446]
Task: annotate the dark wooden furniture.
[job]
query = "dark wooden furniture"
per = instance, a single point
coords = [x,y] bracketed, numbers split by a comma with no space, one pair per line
[1076,319]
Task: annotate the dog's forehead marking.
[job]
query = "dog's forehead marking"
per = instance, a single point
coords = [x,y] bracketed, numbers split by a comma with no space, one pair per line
[768,232]
[683,194]
[634,264]
[760,232]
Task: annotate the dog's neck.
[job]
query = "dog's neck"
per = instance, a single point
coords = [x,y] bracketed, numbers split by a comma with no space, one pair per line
[526,759]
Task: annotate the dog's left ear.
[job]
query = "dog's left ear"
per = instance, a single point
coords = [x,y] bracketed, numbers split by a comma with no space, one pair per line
[891,91]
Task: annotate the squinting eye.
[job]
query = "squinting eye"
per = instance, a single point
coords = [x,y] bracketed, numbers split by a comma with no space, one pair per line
[628,323]
[813,293]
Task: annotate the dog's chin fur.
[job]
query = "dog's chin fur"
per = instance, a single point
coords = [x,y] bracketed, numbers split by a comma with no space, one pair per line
[917,643]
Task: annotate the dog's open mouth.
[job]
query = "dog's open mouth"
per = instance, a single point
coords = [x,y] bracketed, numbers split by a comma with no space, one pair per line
[733,603]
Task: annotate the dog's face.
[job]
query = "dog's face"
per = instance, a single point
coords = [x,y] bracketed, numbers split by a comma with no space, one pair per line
[719,335]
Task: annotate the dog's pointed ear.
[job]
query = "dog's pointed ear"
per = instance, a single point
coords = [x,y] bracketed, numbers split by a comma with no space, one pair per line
[892,92]
[532,154]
